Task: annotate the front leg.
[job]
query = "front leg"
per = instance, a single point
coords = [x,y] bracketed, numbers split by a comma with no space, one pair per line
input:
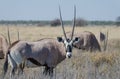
[46,70]
[51,71]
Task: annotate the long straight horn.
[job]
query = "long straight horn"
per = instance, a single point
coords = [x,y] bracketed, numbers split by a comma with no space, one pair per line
[18,34]
[8,33]
[62,23]
[73,22]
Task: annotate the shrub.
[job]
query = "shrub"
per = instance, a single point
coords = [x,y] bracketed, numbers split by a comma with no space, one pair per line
[118,21]
[55,22]
[81,22]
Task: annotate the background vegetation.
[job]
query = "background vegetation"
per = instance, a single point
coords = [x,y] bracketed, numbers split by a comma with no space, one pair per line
[79,22]
[83,65]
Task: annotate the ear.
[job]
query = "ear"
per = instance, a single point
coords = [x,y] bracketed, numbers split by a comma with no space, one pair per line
[76,39]
[59,39]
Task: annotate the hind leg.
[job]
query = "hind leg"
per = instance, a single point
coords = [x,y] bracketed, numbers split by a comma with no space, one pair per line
[51,72]
[13,66]
[21,67]
[13,70]
[20,71]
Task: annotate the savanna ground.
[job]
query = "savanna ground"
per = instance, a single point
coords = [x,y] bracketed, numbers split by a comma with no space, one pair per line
[83,65]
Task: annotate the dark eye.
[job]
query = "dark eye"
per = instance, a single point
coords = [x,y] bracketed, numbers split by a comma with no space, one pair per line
[68,40]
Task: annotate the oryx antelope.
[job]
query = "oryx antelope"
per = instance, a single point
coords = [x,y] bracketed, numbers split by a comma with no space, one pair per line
[104,39]
[3,46]
[4,43]
[87,41]
[45,52]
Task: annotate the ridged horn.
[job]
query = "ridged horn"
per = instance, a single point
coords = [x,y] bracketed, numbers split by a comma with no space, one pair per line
[8,33]
[62,23]
[18,34]
[73,22]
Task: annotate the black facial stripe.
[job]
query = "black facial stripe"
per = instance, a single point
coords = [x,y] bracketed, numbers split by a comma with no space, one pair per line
[69,48]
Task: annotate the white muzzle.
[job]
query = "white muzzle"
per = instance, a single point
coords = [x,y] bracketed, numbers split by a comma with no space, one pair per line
[68,55]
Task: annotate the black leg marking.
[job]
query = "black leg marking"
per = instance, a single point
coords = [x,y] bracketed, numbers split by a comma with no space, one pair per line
[34,61]
[51,72]
[48,71]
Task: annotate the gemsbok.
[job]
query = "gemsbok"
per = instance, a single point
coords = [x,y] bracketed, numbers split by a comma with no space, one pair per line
[46,52]
[104,40]
[4,44]
[87,41]
[102,37]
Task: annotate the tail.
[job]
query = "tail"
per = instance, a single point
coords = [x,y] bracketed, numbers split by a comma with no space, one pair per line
[5,66]
[96,45]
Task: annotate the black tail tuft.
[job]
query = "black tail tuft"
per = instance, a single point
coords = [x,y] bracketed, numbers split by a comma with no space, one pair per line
[5,66]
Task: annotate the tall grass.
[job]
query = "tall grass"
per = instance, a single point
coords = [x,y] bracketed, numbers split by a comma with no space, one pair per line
[83,65]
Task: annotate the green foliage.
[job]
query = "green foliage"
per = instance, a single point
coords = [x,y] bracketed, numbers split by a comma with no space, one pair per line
[118,21]
[101,23]
[79,22]
[55,22]
[23,22]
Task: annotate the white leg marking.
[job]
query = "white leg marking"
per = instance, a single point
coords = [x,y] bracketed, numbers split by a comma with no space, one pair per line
[17,57]
[11,61]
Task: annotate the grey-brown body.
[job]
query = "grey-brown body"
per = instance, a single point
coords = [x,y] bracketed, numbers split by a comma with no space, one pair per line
[87,41]
[3,46]
[45,52]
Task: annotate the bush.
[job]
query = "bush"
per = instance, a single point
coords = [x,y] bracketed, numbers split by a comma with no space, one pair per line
[118,21]
[81,22]
[55,22]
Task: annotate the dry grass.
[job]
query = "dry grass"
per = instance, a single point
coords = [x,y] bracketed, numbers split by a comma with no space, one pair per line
[83,65]
[99,58]
[35,33]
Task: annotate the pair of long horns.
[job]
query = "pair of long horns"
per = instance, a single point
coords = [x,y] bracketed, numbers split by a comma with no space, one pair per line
[63,24]
[8,33]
